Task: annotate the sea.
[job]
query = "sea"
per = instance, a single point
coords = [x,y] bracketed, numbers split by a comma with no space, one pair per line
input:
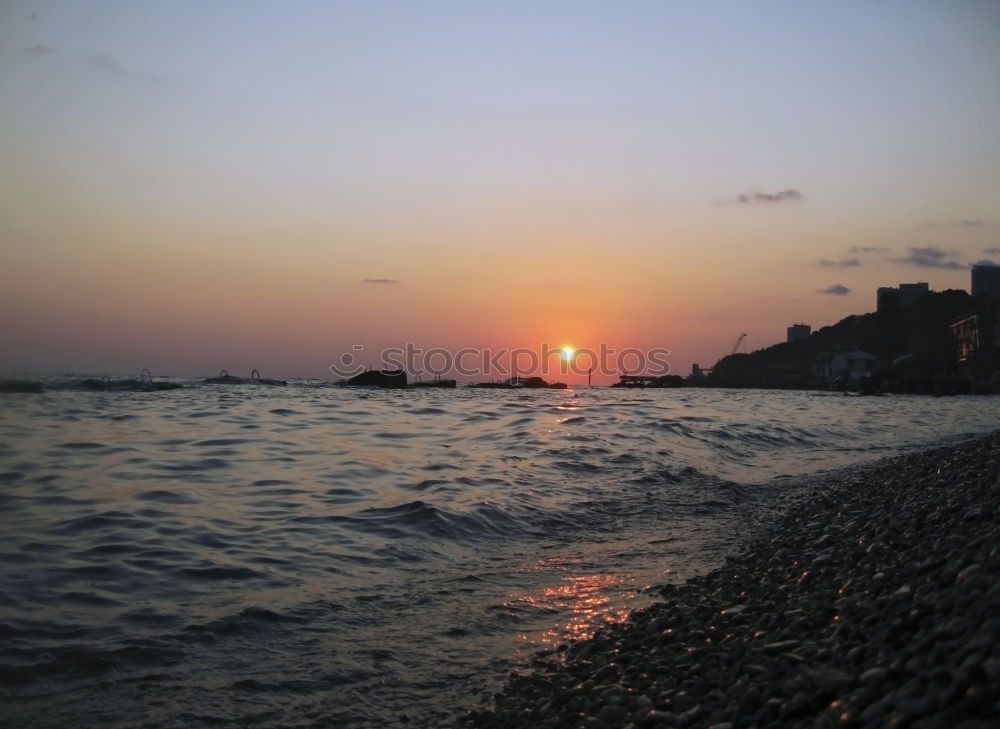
[314,556]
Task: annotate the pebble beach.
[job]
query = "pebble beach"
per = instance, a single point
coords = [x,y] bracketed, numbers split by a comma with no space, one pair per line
[873,601]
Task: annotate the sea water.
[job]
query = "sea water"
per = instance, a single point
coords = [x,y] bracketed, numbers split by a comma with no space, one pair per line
[314,556]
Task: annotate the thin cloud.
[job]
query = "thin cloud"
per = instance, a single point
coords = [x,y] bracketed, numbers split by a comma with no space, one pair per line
[107,63]
[928,257]
[995,249]
[957,223]
[844,263]
[39,49]
[868,249]
[835,290]
[764,197]
[379,281]
[986,262]
[103,63]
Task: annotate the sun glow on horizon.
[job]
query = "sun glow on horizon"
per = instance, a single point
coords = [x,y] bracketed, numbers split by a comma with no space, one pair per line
[567,353]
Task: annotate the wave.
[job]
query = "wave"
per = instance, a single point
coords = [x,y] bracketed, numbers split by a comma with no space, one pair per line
[284,537]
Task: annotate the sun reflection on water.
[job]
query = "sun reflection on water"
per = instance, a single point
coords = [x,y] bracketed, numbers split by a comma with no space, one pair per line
[586,602]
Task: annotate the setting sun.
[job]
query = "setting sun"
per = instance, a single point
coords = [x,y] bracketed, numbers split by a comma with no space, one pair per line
[567,353]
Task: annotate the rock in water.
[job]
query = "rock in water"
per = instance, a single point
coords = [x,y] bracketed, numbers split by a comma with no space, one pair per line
[393,379]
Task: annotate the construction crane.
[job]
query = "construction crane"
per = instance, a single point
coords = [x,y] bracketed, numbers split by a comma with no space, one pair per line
[698,372]
[739,341]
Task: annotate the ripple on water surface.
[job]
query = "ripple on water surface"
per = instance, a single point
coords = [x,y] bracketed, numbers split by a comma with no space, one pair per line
[163,566]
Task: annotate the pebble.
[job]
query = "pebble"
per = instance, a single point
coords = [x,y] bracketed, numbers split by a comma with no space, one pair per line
[873,675]
[734,610]
[823,540]
[781,646]
[663,718]
[830,678]
[688,717]
[890,618]
[748,703]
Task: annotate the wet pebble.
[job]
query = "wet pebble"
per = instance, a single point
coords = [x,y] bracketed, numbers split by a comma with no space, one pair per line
[890,617]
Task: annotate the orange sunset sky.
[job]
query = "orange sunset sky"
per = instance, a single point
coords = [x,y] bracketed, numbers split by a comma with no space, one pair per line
[187,186]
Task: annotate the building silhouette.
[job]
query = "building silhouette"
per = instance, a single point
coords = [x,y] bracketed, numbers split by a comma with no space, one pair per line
[798,331]
[986,281]
[902,296]
[976,333]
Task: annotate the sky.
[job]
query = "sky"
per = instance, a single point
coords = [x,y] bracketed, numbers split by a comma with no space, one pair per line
[189,186]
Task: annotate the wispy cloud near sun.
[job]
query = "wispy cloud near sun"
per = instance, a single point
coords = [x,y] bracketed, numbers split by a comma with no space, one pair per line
[929,257]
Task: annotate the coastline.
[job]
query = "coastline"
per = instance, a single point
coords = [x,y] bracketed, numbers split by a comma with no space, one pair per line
[873,601]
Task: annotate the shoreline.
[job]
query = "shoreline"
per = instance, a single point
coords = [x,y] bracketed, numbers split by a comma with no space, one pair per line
[873,601]
[45,382]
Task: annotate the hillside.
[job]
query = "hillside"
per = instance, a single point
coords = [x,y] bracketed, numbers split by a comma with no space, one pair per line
[920,330]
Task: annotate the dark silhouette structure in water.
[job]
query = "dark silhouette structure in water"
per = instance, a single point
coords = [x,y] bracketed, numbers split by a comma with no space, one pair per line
[225,378]
[145,383]
[391,379]
[517,383]
[650,381]
[9,386]
[436,382]
[256,379]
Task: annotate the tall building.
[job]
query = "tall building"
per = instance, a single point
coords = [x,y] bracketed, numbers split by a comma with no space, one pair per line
[910,293]
[986,281]
[905,294]
[977,332]
[798,331]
